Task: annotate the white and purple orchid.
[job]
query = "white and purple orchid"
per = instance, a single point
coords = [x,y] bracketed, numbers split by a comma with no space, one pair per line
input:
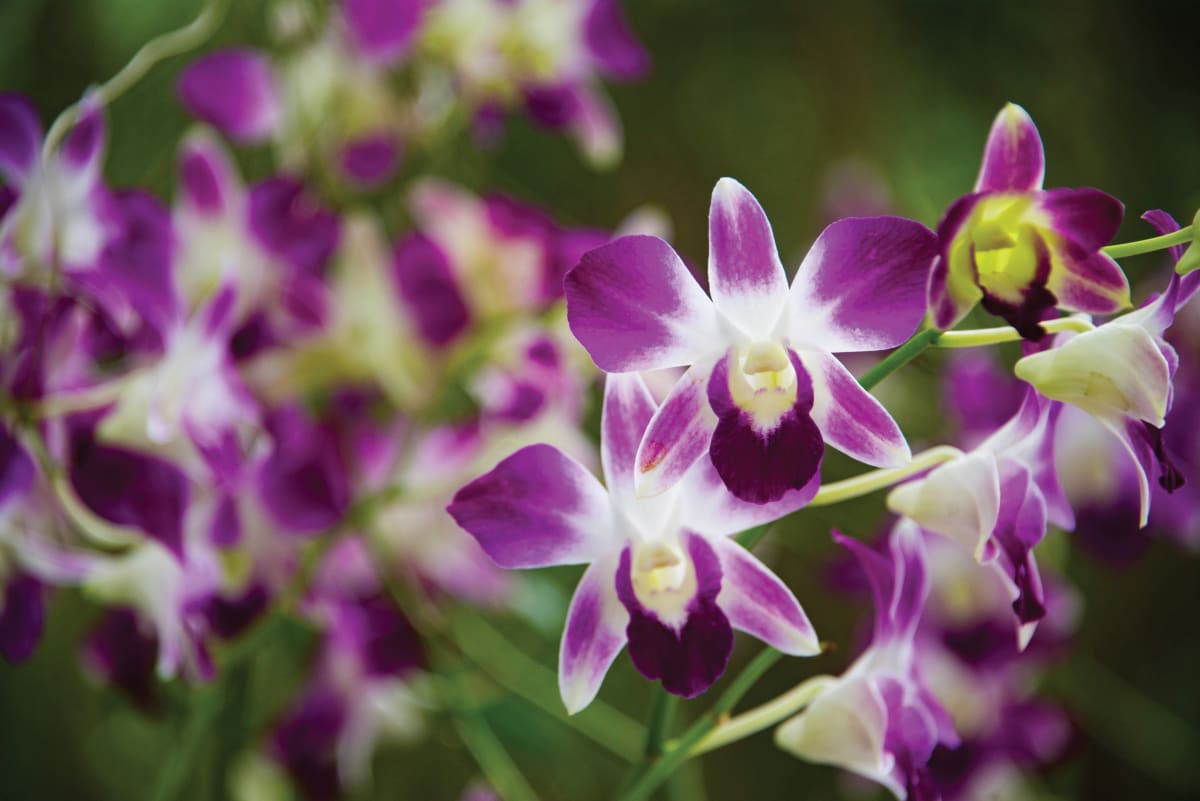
[1122,374]
[1020,249]
[663,574]
[764,392]
[995,502]
[880,718]
[57,215]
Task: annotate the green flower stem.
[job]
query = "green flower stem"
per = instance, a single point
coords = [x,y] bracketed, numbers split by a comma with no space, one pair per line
[662,714]
[661,769]
[529,679]
[900,357]
[502,773]
[161,47]
[762,717]
[1125,249]
[850,488]
[980,337]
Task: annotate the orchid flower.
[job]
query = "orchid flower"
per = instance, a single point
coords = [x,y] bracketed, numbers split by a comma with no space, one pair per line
[662,573]
[764,392]
[31,557]
[995,501]
[362,689]
[60,217]
[879,719]
[549,54]
[1021,249]
[1121,373]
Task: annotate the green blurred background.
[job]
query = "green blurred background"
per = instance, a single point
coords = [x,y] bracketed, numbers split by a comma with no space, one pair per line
[775,94]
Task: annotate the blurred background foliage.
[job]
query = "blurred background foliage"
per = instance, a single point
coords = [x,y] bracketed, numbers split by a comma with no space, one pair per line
[786,97]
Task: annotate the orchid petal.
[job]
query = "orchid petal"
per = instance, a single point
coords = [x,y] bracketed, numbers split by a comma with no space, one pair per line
[959,500]
[234,90]
[709,507]
[746,278]
[426,283]
[628,408]
[862,285]
[757,602]
[538,507]
[634,305]
[845,726]
[593,636]
[952,290]
[1114,370]
[678,434]
[612,45]
[85,144]
[1013,158]
[20,137]
[597,126]
[17,470]
[850,418]
[761,461]
[690,656]
[208,182]
[381,30]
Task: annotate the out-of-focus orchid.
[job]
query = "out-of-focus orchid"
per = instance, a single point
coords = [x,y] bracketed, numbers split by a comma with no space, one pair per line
[60,216]
[880,719]
[544,54]
[995,501]
[764,392]
[971,662]
[1021,249]
[365,334]
[31,558]
[1121,373]
[362,688]
[663,574]
[234,90]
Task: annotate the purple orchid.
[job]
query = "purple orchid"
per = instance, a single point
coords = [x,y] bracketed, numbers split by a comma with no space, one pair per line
[361,690]
[550,54]
[234,90]
[1021,249]
[880,719]
[1122,373]
[764,392]
[663,574]
[971,661]
[59,215]
[995,502]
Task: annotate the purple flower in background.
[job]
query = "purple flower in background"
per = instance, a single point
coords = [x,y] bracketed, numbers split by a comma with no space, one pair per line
[764,392]
[56,211]
[880,719]
[550,55]
[1122,373]
[970,660]
[995,502]
[360,690]
[381,31]
[1020,249]
[663,574]
[235,91]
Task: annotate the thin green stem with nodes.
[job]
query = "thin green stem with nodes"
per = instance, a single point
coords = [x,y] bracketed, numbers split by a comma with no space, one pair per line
[865,484]
[1154,243]
[981,337]
[661,769]
[762,717]
[162,47]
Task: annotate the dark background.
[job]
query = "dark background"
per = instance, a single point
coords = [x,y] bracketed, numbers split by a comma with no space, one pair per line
[775,94]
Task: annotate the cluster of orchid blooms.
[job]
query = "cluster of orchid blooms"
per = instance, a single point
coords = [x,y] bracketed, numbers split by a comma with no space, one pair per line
[254,401]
